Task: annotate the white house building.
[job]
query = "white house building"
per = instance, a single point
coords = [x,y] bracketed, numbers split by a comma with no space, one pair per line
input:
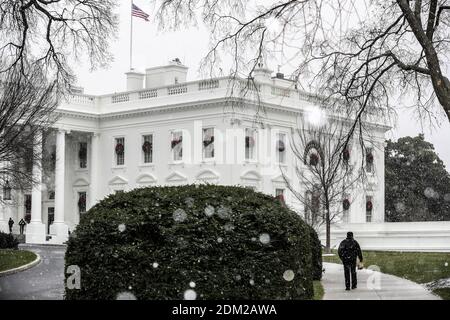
[166,131]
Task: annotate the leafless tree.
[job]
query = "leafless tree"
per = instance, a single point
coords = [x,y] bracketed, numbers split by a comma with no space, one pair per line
[364,53]
[39,39]
[325,171]
[26,109]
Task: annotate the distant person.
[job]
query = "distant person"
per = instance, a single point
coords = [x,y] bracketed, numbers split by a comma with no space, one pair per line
[348,251]
[10,224]
[22,224]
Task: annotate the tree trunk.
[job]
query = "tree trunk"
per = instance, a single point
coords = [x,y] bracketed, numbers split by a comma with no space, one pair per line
[328,231]
[441,84]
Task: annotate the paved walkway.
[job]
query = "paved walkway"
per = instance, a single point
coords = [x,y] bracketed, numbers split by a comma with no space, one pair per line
[42,282]
[372,285]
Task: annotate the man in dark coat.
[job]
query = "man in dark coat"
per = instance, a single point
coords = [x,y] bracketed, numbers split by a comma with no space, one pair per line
[22,224]
[348,251]
[10,223]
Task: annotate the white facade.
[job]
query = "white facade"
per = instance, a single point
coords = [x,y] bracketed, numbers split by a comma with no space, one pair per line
[160,107]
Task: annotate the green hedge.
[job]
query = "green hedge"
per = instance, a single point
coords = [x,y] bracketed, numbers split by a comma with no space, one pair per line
[316,259]
[7,241]
[161,242]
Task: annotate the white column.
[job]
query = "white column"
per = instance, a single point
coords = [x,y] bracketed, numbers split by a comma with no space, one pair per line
[36,232]
[94,168]
[3,223]
[59,229]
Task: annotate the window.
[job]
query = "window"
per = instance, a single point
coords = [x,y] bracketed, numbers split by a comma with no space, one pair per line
[177,146]
[81,202]
[369,208]
[346,209]
[51,218]
[82,155]
[7,191]
[51,195]
[312,206]
[208,143]
[281,148]
[279,194]
[28,203]
[147,148]
[120,151]
[369,160]
[250,144]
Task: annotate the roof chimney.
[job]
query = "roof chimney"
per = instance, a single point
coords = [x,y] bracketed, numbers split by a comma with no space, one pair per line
[135,81]
[173,73]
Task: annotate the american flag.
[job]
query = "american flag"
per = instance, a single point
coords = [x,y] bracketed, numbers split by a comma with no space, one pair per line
[136,12]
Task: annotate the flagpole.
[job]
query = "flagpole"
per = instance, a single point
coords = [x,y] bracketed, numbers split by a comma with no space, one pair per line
[131,37]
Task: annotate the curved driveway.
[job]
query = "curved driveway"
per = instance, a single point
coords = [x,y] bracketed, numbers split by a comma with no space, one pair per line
[42,282]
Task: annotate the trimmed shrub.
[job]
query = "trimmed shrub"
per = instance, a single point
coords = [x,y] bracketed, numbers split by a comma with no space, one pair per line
[203,242]
[7,241]
[316,257]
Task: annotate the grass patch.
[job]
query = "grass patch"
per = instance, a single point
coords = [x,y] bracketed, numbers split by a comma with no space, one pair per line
[420,267]
[10,259]
[318,290]
[443,293]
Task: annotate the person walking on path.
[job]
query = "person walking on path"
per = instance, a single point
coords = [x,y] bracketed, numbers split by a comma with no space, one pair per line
[348,251]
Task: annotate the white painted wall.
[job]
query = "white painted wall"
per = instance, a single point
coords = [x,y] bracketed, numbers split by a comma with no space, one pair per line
[396,236]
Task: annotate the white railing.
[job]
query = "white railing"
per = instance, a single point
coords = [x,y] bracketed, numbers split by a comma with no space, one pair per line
[81,99]
[179,89]
[148,94]
[280,92]
[208,85]
[248,85]
[123,97]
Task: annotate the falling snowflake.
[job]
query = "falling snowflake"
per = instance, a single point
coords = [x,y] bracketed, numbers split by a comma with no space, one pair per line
[252,282]
[229,227]
[430,193]
[264,238]
[219,240]
[126,296]
[189,202]
[238,277]
[155,265]
[400,206]
[192,284]
[446,264]
[224,212]
[288,275]
[122,227]
[316,116]
[190,295]
[209,211]
[179,215]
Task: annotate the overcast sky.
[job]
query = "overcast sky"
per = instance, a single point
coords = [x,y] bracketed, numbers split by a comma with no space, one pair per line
[152,47]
